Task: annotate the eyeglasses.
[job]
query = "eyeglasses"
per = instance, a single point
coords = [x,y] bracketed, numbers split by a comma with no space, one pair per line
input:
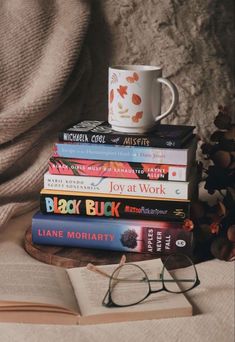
[129,284]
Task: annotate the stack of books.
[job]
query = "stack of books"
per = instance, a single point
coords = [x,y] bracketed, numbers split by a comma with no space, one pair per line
[121,192]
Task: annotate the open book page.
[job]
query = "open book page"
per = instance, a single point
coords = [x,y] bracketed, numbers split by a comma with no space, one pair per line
[90,289]
[30,284]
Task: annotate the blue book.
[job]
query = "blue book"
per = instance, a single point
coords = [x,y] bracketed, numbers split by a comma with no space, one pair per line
[180,156]
[111,234]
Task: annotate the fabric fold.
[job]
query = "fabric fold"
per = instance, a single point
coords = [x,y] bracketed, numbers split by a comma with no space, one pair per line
[44,72]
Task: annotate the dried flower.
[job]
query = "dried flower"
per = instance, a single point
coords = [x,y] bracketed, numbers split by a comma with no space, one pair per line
[219,220]
[188,225]
[214,228]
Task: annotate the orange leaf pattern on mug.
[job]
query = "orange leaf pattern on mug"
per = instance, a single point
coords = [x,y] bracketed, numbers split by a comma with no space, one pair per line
[133,78]
[137,117]
[136,77]
[111,96]
[136,99]
[122,91]
[130,79]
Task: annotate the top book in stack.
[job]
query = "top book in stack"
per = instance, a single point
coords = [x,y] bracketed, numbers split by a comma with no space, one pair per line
[100,132]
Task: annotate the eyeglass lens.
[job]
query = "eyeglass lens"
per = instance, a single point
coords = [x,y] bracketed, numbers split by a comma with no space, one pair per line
[182,270]
[128,285]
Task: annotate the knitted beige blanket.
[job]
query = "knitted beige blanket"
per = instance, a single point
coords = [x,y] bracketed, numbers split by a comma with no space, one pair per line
[44,71]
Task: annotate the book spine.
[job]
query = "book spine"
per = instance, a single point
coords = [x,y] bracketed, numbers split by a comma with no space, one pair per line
[119,139]
[122,153]
[102,168]
[111,234]
[118,186]
[95,206]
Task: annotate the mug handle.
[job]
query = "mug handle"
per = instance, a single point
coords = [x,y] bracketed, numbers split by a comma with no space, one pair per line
[175,97]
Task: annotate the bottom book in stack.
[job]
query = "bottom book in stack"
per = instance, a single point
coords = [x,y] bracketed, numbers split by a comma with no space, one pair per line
[142,236]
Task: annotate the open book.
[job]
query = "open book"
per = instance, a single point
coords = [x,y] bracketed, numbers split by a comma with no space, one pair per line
[38,293]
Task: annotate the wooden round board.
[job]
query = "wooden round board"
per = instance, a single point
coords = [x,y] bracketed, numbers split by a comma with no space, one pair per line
[75,257]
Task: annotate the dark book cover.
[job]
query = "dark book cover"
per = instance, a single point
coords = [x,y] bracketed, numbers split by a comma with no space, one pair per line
[84,204]
[139,236]
[100,132]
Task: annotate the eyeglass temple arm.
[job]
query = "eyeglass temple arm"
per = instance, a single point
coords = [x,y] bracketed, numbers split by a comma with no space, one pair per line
[97,270]
[171,280]
[109,303]
[93,268]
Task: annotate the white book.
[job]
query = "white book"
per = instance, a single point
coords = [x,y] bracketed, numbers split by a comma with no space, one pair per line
[121,186]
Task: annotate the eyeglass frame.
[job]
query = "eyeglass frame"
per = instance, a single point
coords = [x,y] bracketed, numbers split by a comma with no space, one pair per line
[108,295]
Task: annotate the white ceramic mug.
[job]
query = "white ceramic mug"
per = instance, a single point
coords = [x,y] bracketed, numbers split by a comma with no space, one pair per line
[135,97]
